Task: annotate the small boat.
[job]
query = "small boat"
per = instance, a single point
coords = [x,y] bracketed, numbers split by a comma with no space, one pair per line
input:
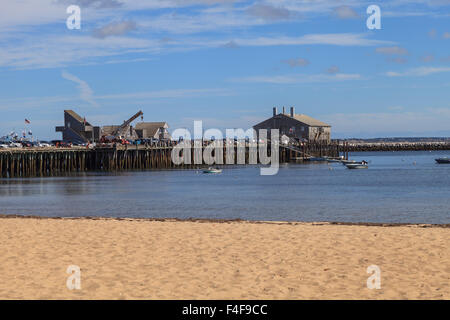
[212,170]
[357,165]
[443,160]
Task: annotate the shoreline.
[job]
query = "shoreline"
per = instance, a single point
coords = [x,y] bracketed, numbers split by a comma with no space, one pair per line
[206,220]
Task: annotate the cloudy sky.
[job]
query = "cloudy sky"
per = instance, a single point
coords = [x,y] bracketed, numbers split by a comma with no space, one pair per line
[228,62]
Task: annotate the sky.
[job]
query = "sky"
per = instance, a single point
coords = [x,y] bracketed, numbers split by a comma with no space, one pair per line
[227,63]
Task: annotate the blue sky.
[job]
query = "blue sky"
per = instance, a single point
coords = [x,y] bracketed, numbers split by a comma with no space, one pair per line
[228,63]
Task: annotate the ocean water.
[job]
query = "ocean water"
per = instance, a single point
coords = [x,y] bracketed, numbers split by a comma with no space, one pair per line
[398,187]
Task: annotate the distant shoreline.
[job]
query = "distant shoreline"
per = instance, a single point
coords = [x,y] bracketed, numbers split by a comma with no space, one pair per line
[365,146]
[205,220]
[398,139]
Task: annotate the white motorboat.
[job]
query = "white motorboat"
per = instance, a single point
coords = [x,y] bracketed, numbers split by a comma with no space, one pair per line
[212,170]
[357,165]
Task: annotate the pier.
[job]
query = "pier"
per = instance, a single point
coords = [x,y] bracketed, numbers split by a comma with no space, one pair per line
[42,162]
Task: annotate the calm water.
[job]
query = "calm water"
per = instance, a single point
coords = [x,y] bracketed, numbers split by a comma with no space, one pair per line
[397,187]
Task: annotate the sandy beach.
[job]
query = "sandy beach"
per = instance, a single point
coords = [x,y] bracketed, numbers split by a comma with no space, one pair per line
[145,259]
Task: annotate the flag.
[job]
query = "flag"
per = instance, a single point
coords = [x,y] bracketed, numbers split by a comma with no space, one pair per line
[27,121]
[30,133]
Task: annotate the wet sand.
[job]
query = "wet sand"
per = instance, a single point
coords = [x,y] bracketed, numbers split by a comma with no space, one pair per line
[169,259]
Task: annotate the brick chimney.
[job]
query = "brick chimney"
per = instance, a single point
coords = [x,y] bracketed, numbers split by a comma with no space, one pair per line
[292,111]
[275,111]
[284,111]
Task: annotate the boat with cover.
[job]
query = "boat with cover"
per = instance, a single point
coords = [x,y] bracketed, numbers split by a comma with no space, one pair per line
[443,160]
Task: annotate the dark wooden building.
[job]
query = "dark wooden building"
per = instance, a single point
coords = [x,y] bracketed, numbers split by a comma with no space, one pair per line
[77,130]
[298,126]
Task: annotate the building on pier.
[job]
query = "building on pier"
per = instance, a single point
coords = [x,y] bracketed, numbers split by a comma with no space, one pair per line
[77,130]
[153,130]
[298,126]
[142,130]
[111,130]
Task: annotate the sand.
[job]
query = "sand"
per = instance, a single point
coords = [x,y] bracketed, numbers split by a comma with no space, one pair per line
[143,259]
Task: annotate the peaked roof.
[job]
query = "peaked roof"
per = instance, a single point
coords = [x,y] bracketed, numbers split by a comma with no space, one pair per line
[151,127]
[303,118]
[309,121]
[76,116]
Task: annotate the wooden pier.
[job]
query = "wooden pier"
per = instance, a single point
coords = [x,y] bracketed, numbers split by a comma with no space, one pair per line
[41,162]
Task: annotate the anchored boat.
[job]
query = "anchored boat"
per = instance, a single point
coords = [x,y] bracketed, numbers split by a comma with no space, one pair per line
[344,162]
[443,160]
[357,165]
[212,170]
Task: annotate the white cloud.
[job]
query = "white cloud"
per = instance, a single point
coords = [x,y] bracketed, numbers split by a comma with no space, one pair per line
[86,92]
[231,45]
[345,12]
[337,39]
[29,12]
[418,72]
[299,78]
[398,60]
[61,51]
[99,4]
[115,29]
[183,23]
[297,62]
[395,50]
[69,50]
[308,6]
[268,12]
[32,13]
